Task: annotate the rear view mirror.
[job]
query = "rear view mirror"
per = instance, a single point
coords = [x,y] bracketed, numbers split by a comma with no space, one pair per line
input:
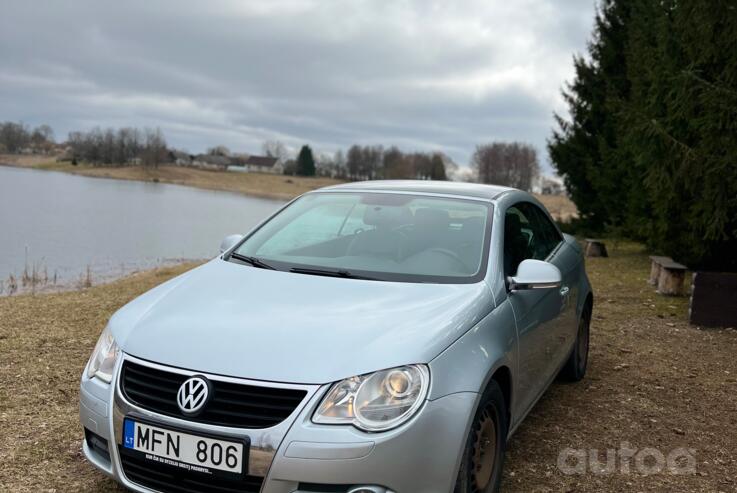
[535,274]
[229,242]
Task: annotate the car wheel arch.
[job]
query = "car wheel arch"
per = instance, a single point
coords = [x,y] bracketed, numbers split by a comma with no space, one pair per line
[501,373]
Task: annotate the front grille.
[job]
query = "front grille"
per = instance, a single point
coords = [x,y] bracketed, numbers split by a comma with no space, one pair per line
[232,404]
[168,479]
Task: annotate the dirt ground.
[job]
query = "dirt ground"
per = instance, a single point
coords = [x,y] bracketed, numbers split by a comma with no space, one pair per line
[654,382]
[256,184]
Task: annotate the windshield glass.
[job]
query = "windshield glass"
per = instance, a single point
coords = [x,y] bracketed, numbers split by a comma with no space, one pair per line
[385,236]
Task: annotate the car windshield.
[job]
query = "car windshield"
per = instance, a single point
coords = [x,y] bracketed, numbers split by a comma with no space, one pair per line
[382,236]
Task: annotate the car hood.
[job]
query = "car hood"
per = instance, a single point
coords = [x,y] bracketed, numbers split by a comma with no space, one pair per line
[236,320]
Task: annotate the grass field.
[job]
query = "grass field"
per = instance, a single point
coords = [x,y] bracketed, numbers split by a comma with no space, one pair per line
[255,184]
[653,381]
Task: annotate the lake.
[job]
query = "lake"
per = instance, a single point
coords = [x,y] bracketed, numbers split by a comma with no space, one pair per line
[64,226]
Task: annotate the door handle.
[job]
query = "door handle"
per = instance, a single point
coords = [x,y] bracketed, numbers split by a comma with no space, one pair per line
[564,291]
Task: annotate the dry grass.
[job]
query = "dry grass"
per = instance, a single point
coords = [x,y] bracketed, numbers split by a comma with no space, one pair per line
[654,381]
[255,184]
[26,160]
[560,207]
[45,341]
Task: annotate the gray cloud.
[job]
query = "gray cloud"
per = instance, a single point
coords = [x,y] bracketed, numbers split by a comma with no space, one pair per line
[421,74]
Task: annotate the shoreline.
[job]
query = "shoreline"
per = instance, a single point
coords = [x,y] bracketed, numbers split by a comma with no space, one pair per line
[252,184]
[87,280]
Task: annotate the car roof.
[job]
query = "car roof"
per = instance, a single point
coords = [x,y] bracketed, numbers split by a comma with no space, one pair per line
[475,190]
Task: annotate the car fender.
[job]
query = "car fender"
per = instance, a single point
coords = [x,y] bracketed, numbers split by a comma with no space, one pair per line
[468,364]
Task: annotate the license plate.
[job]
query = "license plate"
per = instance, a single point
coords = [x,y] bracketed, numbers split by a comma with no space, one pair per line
[186,451]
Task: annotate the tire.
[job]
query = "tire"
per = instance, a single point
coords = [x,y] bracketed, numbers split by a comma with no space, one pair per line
[575,368]
[480,473]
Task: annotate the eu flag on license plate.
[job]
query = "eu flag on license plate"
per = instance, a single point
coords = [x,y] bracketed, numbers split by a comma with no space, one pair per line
[129,433]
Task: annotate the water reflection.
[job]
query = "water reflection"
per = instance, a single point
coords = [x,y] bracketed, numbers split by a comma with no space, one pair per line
[56,226]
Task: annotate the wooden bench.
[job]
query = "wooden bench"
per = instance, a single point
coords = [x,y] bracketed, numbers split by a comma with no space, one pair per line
[667,275]
[595,248]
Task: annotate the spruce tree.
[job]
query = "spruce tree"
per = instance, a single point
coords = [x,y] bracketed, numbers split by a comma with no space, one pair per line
[586,150]
[651,146]
[305,162]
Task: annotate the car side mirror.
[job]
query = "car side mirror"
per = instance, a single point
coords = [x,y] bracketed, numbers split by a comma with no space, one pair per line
[229,242]
[535,274]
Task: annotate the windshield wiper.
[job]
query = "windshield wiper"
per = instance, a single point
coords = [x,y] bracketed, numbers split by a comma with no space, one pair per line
[255,262]
[330,273]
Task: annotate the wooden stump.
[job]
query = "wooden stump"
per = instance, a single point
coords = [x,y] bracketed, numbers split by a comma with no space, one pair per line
[595,248]
[655,268]
[713,299]
[667,275]
[670,280]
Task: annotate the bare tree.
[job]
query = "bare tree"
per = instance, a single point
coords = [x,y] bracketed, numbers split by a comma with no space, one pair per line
[14,136]
[154,148]
[42,136]
[353,161]
[112,147]
[396,164]
[373,162]
[511,164]
[274,148]
[220,150]
[339,164]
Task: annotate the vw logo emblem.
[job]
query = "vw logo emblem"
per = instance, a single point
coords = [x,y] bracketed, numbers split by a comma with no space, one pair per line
[193,395]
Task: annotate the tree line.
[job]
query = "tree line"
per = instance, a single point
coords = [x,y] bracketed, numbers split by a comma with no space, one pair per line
[650,149]
[126,145]
[372,163]
[18,137]
[503,163]
[511,164]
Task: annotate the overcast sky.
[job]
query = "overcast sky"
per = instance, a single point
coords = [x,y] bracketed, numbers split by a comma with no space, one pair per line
[420,74]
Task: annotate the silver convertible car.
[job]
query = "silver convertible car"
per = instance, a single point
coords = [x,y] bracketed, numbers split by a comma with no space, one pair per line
[375,337]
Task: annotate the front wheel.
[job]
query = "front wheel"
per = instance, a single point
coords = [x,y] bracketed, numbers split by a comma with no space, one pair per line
[483,456]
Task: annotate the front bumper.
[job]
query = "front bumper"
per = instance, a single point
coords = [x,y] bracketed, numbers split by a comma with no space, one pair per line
[420,456]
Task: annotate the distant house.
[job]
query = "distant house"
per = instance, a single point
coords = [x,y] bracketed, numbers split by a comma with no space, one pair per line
[259,164]
[209,161]
[180,158]
[550,185]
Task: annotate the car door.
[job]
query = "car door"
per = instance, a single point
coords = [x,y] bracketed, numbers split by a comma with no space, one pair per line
[568,261]
[537,312]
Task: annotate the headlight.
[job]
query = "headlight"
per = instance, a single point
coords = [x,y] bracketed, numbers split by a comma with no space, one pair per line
[377,401]
[103,357]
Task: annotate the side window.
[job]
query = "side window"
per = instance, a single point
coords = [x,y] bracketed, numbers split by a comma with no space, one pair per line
[548,230]
[527,234]
[517,237]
